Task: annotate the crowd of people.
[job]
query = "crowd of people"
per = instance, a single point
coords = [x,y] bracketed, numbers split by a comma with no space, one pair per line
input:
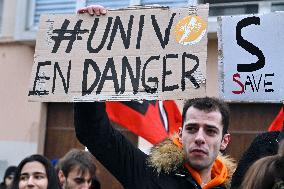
[192,159]
[76,170]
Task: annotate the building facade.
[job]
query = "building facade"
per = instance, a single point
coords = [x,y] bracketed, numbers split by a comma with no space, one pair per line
[47,128]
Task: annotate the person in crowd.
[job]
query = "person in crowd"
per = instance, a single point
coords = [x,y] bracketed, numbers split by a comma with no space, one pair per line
[266,173]
[76,170]
[189,160]
[37,172]
[8,177]
[265,144]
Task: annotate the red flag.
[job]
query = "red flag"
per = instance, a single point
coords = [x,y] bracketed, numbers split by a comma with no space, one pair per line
[152,120]
[277,123]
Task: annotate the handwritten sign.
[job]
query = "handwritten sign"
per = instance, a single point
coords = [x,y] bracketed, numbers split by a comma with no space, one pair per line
[251,57]
[131,54]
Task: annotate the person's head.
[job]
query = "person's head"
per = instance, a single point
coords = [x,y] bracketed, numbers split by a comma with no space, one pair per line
[265,173]
[36,172]
[204,131]
[9,175]
[76,170]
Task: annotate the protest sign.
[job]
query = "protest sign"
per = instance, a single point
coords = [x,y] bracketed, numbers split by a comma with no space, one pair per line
[130,54]
[251,57]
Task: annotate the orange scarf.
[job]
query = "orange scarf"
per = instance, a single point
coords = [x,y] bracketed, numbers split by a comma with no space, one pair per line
[219,172]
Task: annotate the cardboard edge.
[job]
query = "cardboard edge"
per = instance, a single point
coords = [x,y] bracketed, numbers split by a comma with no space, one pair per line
[221,74]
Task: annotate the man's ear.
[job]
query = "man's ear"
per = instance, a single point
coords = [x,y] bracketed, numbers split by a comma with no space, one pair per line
[180,134]
[225,141]
[61,177]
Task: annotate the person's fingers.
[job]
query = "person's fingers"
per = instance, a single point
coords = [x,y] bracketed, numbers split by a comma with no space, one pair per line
[90,11]
[103,10]
[97,11]
[81,10]
[93,9]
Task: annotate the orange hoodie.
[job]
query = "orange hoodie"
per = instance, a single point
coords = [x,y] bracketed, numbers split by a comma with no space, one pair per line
[219,172]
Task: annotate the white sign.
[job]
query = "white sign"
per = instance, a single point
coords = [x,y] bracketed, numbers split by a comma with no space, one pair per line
[251,57]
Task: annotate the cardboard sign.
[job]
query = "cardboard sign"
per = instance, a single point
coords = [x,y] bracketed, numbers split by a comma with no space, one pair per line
[251,57]
[130,54]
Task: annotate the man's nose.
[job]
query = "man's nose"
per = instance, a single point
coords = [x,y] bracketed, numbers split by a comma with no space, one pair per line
[199,138]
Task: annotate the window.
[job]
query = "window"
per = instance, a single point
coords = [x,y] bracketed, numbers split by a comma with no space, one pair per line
[217,10]
[52,6]
[109,4]
[277,7]
[38,7]
[125,3]
[29,22]
[232,7]
[230,1]
[171,3]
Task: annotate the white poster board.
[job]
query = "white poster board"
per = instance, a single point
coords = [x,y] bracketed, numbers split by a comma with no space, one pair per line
[251,57]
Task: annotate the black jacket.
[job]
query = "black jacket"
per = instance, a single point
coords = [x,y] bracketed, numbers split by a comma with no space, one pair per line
[265,144]
[125,161]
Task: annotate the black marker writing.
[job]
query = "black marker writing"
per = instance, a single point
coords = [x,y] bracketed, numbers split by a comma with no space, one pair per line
[69,35]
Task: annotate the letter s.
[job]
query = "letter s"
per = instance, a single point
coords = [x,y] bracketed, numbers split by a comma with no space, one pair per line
[249,46]
[237,75]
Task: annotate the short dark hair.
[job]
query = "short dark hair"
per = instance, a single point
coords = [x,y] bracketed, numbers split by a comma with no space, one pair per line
[209,104]
[53,182]
[77,159]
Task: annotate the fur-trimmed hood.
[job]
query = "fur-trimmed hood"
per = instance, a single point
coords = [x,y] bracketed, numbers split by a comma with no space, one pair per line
[167,158]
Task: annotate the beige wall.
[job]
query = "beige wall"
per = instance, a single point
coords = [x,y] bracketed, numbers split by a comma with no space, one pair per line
[212,68]
[22,123]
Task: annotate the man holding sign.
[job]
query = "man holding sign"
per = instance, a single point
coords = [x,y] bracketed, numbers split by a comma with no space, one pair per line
[189,160]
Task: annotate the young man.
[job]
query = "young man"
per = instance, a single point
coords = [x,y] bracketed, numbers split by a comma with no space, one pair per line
[76,170]
[184,162]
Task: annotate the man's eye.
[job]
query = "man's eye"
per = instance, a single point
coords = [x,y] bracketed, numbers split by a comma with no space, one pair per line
[191,129]
[211,131]
[24,177]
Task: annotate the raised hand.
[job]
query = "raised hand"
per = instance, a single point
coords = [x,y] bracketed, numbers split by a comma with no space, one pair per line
[93,10]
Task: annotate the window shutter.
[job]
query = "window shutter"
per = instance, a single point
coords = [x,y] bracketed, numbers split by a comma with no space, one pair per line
[170,3]
[109,3]
[277,7]
[229,1]
[53,6]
